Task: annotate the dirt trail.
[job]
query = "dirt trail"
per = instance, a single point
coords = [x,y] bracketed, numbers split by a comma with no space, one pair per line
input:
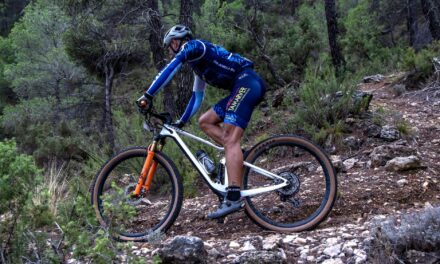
[364,192]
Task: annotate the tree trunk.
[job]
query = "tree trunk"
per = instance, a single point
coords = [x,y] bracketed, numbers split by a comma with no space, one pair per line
[332,28]
[155,39]
[108,116]
[295,6]
[185,77]
[432,14]
[412,21]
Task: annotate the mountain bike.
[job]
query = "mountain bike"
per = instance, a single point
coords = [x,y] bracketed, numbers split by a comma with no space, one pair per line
[289,183]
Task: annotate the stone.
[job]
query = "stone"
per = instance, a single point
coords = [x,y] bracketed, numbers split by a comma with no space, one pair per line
[360,256]
[310,258]
[333,261]
[247,246]
[289,238]
[299,241]
[337,162]
[213,252]
[234,244]
[261,257]
[389,133]
[403,163]
[372,130]
[352,142]
[350,163]
[377,78]
[183,249]
[382,154]
[271,242]
[332,241]
[402,182]
[333,251]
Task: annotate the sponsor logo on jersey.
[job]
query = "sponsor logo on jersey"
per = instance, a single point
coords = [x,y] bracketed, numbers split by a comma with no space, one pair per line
[238,98]
[223,66]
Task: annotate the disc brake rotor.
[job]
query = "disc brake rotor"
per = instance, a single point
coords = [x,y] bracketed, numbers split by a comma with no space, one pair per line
[293,187]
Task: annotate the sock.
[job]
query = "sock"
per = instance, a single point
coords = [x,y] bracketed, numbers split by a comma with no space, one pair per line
[233,193]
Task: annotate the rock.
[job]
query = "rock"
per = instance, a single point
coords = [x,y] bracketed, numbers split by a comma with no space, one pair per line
[389,133]
[399,89]
[300,241]
[234,244]
[271,242]
[333,261]
[333,251]
[247,246]
[402,182]
[260,257]
[310,258]
[361,100]
[289,238]
[373,78]
[372,130]
[360,256]
[349,163]
[331,241]
[183,249]
[337,162]
[381,154]
[352,142]
[403,163]
[213,252]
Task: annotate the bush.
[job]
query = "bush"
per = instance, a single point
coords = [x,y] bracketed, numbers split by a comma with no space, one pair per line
[323,104]
[20,215]
[420,64]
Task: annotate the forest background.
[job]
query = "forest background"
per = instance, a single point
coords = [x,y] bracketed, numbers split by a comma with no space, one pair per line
[70,72]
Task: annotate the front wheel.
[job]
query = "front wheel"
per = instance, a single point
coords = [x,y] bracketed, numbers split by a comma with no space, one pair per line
[311,192]
[136,218]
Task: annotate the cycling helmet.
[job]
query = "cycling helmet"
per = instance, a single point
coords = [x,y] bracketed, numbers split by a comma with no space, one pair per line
[176,32]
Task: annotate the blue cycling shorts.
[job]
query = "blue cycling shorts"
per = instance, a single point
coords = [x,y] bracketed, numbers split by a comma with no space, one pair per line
[247,92]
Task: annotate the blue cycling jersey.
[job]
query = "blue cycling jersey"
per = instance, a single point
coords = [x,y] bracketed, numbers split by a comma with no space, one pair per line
[211,63]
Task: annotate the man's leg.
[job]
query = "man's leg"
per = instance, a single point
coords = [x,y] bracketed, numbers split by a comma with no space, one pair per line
[229,136]
[209,122]
[234,156]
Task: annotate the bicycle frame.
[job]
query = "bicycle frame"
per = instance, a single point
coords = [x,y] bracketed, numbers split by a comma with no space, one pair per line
[174,133]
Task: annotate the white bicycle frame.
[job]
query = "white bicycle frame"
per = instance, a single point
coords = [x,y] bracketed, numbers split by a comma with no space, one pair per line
[173,132]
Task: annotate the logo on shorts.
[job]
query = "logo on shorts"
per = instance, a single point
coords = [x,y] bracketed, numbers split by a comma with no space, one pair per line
[236,101]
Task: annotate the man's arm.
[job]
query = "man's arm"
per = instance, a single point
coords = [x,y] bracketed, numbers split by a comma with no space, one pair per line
[191,51]
[195,101]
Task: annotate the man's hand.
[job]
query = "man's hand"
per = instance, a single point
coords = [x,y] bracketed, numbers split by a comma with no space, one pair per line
[178,124]
[144,103]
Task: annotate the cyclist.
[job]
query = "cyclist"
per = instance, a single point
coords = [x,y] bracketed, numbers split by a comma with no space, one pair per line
[214,65]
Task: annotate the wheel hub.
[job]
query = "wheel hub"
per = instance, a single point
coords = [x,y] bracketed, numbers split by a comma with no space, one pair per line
[293,184]
[133,200]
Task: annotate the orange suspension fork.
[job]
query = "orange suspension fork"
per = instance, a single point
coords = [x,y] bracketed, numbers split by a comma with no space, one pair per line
[148,170]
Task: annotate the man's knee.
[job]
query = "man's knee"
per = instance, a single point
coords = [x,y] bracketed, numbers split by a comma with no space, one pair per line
[232,136]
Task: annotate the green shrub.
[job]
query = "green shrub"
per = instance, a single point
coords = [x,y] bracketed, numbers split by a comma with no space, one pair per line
[420,63]
[324,102]
[20,215]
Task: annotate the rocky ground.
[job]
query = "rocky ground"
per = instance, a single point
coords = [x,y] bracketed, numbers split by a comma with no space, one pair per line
[388,164]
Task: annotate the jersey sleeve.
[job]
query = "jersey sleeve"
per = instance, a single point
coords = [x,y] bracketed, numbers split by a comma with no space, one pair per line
[190,51]
[196,99]
[164,76]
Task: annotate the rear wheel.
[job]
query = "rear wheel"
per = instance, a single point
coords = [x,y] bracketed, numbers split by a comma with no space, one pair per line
[311,192]
[136,219]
